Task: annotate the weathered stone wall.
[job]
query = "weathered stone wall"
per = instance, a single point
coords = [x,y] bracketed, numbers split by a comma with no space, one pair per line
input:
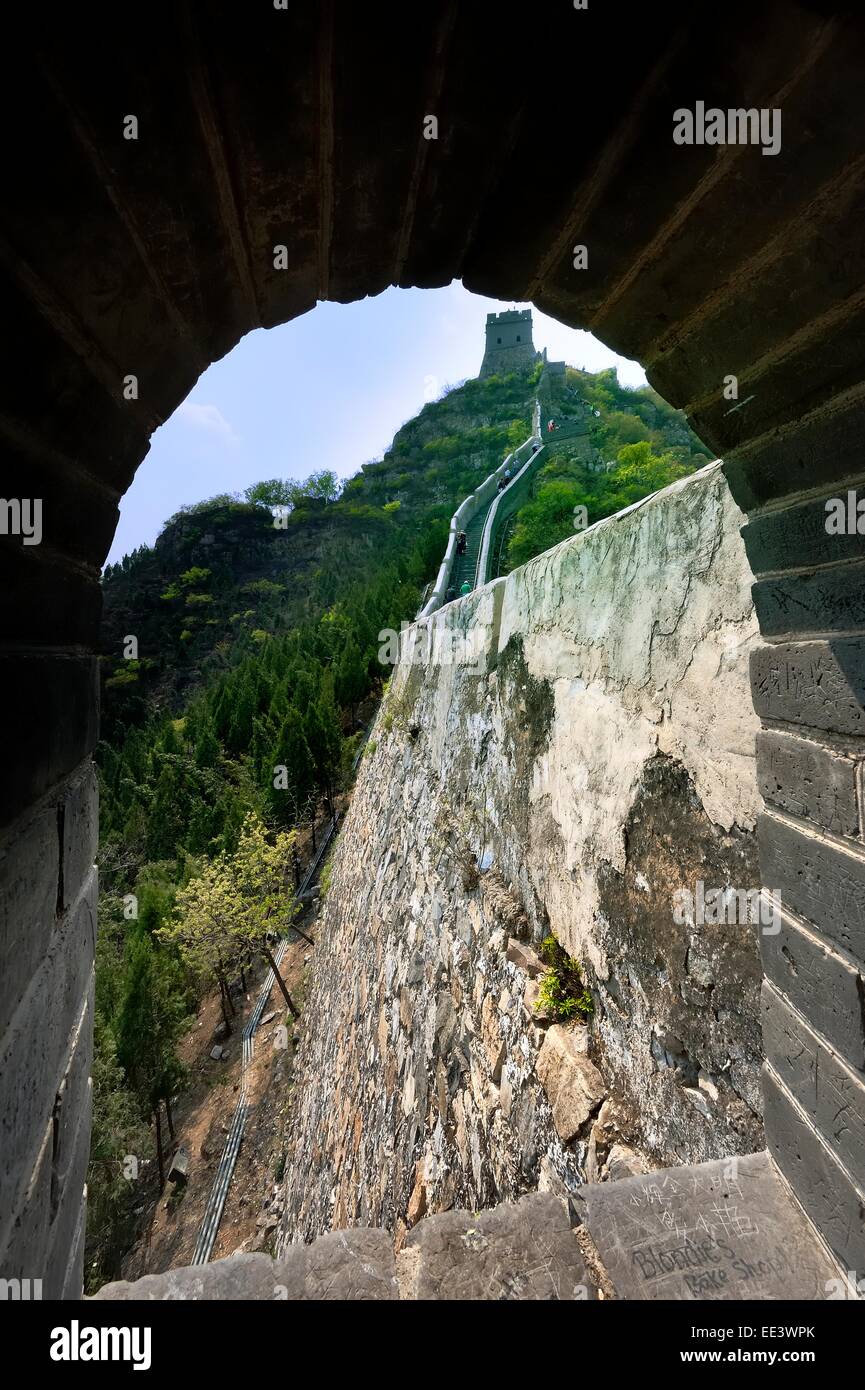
[581,747]
[48,894]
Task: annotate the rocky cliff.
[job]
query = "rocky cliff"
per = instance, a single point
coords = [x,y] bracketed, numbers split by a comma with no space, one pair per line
[561,752]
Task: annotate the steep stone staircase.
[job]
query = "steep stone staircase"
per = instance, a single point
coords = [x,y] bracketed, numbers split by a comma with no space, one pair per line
[465,566]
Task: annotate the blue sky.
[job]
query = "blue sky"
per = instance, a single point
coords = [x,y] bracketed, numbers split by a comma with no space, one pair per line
[328,390]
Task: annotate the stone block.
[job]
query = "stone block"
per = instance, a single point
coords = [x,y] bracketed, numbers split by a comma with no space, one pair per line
[821,1185]
[47,603]
[573,1085]
[342,1265]
[831,1094]
[812,604]
[68,1197]
[354,1264]
[29,864]
[80,812]
[815,454]
[516,1252]
[820,685]
[797,535]
[819,982]
[244,1276]
[74,1103]
[525,958]
[73,1279]
[805,779]
[722,1230]
[817,880]
[52,703]
[25,1226]
[491,1036]
[624,1162]
[531,998]
[80,518]
[35,1049]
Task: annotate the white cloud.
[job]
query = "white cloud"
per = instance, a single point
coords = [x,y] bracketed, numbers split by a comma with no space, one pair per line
[208,417]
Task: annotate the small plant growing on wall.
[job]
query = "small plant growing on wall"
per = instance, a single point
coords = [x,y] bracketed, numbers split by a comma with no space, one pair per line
[563,994]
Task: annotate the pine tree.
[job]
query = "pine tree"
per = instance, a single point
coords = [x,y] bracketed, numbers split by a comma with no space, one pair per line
[291,777]
[351,677]
[207,748]
[324,738]
[243,711]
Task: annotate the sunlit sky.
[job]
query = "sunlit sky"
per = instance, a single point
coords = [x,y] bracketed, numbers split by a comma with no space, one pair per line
[328,390]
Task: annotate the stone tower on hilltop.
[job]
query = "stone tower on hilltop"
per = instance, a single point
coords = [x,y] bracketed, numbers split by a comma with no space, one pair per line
[509,345]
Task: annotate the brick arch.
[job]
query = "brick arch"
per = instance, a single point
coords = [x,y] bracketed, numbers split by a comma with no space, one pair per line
[305,128]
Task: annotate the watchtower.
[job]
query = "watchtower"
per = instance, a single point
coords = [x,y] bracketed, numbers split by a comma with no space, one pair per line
[509,345]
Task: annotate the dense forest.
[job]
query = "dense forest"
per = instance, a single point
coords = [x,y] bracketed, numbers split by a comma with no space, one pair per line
[635,444]
[240,659]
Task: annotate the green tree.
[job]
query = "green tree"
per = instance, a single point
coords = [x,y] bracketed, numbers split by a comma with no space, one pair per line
[236,905]
[152,1017]
[323,484]
[291,777]
[352,679]
[324,740]
[207,748]
[118,1141]
[243,710]
[276,492]
[545,521]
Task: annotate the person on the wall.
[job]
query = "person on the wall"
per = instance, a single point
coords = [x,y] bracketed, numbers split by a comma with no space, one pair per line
[551,426]
[462,542]
[451,594]
[465,588]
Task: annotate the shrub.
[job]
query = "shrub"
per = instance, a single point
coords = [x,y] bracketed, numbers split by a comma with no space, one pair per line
[195,575]
[563,993]
[122,677]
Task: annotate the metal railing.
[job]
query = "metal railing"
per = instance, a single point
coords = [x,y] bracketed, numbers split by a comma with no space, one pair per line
[209,1227]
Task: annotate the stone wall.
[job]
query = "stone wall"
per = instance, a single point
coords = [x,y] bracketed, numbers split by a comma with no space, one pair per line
[580,747]
[48,895]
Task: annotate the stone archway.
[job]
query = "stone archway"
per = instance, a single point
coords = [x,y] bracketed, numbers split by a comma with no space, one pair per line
[169,191]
